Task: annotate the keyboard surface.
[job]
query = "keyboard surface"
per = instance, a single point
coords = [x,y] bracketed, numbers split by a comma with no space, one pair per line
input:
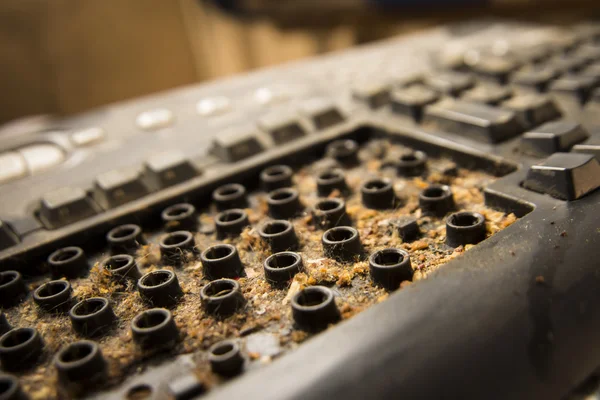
[381,222]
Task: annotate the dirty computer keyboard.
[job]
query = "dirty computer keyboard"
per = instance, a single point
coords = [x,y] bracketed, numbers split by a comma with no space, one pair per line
[417,218]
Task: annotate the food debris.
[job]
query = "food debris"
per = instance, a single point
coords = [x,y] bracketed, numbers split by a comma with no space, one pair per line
[419,245]
[299,336]
[268,308]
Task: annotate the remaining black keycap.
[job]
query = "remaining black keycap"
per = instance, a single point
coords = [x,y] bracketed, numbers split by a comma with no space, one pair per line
[532,109]
[411,100]
[490,94]
[566,176]
[168,168]
[553,137]
[283,126]
[496,69]
[237,144]
[476,121]
[537,78]
[117,187]
[575,87]
[323,112]
[450,83]
[375,94]
[64,206]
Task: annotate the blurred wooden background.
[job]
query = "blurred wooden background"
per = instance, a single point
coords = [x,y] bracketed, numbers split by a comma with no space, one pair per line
[66,56]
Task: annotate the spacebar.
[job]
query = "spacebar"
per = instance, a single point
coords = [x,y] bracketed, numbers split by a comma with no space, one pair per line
[475,121]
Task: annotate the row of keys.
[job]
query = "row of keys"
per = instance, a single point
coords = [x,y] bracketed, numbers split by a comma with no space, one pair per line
[117,187]
[114,188]
[486,112]
[570,56]
[575,73]
[415,91]
[238,144]
[458,84]
[230,147]
[476,121]
[573,70]
[542,78]
[481,122]
[565,176]
[282,127]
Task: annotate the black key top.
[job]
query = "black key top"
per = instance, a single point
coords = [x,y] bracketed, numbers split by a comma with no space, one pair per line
[237,144]
[375,94]
[476,121]
[537,78]
[490,94]
[64,206]
[566,176]
[576,87]
[450,83]
[323,112]
[533,109]
[283,126]
[410,101]
[117,187]
[168,168]
[553,137]
[495,68]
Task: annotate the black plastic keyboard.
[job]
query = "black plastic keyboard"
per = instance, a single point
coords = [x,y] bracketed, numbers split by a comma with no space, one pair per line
[417,218]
